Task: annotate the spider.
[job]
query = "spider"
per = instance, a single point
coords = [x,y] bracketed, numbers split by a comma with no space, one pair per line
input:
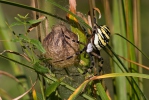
[98,40]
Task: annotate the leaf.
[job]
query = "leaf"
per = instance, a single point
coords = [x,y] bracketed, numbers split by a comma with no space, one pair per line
[23,17]
[17,19]
[39,95]
[44,12]
[38,45]
[16,24]
[34,21]
[39,68]
[26,15]
[66,10]
[15,40]
[102,91]
[35,42]
[24,37]
[52,88]
[120,74]
[87,97]
[34,94]
[78,90]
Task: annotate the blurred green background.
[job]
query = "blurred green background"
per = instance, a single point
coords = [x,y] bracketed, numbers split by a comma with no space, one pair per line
[9,12]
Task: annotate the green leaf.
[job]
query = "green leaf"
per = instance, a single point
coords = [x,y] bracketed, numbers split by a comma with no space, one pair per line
[15,40]
[31,8]
[44,12]
[101,91]
[17,19]
[39,68]
[16,24]
[26,15]
[23,17]
[39,95]
[83,39]
[33,21]
[79,90]
[24,37]
[38,45]
[52,88]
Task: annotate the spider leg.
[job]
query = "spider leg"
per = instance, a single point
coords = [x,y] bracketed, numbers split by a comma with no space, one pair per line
[76,41]
[92,64]
[101,61]
[88,48]
[77,53]
[94,53]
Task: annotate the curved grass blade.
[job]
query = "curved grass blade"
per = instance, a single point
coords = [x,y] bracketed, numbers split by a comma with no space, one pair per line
[44,12]
[66,10]
[16,61]
[9,75]
[143,66]
[19,97]
[31,8]
[6,36]
[119,75]
[47,76]
[114,60]
[78,90]
[123,70]
[127,71]
[82,86]
[133,45]
[16,53]
[53,79]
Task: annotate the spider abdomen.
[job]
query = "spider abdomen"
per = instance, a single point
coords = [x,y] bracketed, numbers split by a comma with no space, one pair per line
[101,37]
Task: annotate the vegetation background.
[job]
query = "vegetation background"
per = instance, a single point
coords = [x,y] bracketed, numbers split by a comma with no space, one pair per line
[8,12]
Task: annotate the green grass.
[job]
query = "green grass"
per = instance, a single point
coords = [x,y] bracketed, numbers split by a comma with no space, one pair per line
[126,75]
